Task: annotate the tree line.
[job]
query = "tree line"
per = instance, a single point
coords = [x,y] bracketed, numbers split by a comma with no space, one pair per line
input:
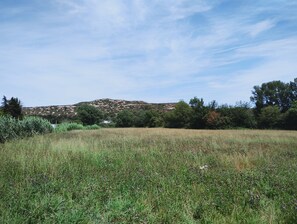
[275,107]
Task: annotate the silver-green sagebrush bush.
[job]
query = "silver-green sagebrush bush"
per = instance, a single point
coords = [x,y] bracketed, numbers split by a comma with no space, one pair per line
[35,125]
[11,128]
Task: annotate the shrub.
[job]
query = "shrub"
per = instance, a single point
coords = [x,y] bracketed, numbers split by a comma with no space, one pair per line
[10,128]
[35,125]
[64,127]
[92,127]
[68,127]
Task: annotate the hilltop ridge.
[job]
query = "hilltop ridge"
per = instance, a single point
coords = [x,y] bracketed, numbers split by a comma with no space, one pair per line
[109,106]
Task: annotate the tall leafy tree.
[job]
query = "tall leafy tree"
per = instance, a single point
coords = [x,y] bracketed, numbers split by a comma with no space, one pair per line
[89,115]
[291,117]
[154,118]
[147,118]
[12,107]
[125,118]
[270,117]
[199,111]
[293,87]
[180,117]
[275,93]
[240,115]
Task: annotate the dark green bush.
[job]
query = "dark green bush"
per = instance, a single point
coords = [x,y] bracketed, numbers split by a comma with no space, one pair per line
[125,118]
[291,117]
[89,115]
[270,117]
[148,118]
[12,107]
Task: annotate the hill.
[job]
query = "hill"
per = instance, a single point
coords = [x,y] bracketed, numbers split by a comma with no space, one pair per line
[109,106]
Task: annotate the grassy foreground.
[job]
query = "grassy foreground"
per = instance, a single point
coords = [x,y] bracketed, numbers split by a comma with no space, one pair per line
[150,176]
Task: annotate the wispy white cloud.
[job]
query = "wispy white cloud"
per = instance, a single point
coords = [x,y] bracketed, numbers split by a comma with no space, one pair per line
[77,50]
[260,27]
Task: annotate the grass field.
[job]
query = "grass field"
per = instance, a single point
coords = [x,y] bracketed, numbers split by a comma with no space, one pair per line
[150,176]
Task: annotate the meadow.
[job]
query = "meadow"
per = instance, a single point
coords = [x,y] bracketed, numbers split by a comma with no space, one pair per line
[150,176]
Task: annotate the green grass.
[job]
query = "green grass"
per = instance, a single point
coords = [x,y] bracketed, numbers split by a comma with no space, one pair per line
[150,176]
[64,127]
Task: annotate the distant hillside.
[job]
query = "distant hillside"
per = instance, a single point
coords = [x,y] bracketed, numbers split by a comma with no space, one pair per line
[108,106]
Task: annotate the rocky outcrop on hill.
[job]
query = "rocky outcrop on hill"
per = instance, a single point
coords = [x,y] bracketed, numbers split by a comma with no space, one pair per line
[65,111]
[108,106]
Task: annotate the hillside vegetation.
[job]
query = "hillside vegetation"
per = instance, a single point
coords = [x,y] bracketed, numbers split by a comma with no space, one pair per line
[150,176]
[108,106]
[275,108]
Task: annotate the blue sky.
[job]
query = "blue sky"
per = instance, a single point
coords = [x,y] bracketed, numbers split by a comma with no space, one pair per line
[67,51]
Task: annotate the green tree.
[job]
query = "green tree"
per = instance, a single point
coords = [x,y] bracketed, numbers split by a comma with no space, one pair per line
[179,117]
[153,118]
[291,117]
[214,120]
[199,111]
[148,118]
[275,93]
[293,87]
[12,107]
[125,118]
[89,115]
[240,115]
[270,117]
[140,118]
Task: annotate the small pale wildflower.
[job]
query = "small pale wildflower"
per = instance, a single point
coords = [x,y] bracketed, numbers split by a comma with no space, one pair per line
[204,167]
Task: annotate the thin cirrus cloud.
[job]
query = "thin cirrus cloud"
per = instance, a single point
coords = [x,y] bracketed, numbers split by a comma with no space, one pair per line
[260,27]
[66,51]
